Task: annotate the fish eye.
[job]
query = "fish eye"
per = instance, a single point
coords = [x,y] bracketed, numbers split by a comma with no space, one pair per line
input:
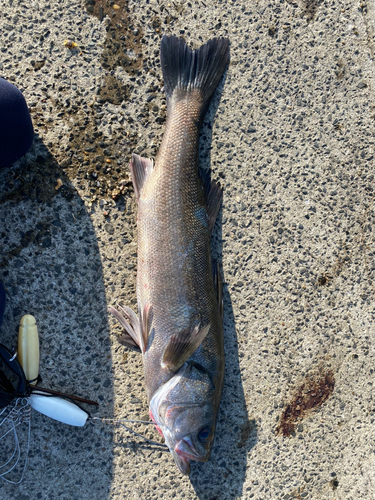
[204,434]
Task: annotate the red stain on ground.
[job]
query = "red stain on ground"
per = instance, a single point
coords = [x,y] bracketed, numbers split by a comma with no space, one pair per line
[310,395]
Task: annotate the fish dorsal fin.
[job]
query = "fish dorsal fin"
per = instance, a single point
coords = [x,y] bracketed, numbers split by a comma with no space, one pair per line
[218,282]
[140,169]
[182,346]
[213,193]
[214,200]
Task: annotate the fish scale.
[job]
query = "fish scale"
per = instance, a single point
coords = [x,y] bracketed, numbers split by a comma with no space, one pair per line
[174,258]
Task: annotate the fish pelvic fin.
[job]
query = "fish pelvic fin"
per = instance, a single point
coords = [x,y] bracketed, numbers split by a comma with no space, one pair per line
[182,346]
[145,314]
[140,169]
[136,331]
[128,319]
[190,70]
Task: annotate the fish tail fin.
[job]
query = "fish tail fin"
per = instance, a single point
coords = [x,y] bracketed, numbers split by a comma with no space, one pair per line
[186,70]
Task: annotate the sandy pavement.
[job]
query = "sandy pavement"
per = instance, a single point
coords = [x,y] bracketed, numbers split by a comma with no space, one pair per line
[290,136]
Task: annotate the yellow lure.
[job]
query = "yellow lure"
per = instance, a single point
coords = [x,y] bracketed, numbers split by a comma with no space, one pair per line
[28,347]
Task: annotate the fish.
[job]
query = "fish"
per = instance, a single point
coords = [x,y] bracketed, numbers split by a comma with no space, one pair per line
[179,327]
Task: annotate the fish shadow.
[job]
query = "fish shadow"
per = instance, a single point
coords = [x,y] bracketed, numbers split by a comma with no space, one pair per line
[51,268]
[222,477]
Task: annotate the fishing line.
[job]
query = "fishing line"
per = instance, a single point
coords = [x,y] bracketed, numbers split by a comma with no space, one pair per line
[95,420]
[18,412]
[119,423]
[18,396]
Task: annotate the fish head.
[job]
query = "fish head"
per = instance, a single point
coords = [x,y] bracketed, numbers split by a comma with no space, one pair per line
[184,408]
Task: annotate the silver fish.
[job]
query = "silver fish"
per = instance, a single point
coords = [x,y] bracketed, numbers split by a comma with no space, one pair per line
[179,329]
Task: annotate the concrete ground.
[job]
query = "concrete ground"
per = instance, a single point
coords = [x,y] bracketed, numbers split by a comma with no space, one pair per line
[290,135]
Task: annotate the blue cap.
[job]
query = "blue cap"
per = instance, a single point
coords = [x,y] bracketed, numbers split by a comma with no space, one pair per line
[16,128]
[2,301]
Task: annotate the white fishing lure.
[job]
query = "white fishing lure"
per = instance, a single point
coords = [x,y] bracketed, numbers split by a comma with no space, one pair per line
[59,409]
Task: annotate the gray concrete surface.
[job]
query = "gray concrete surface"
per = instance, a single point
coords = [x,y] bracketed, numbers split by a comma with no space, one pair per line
[290,134]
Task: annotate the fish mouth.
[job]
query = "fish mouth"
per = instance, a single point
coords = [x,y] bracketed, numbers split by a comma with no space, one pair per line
[182,463]
[186,451]
[183,452]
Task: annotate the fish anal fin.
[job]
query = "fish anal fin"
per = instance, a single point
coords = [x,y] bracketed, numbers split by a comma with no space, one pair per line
[140,168]
[182,346]
[214,201]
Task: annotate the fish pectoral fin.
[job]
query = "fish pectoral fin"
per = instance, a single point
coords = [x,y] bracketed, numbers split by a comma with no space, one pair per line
[214,200]
[128,319]
[140,168]
[218,282]
[182,346]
